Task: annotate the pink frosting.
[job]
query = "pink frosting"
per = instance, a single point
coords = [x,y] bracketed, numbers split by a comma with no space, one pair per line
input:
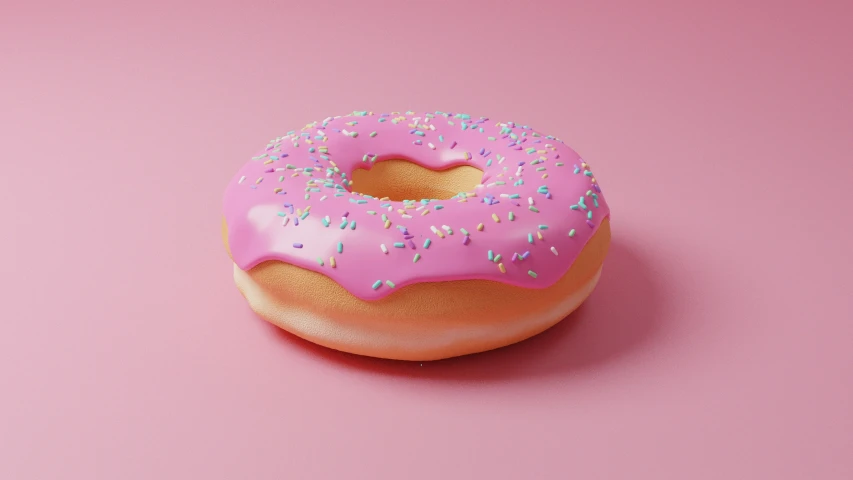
[544,195]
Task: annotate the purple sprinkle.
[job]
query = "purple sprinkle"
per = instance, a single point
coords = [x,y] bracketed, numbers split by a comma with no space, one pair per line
[466,240]
[346,214]
[548,195]
[407,237]
[514,257]
[487,153]
[453,144]
[523,139]
[412,244]
[288,204]
[591,225]
[336,130]
[297,245]
[482,150]
[514,202]
[556,157]
[520,163]
[511,144]
[597,188]
[537,141]
[525,255]
[296,223]
[270,147]
[384,115]
[413,130]
[504,135]
[517,147]
[291,209]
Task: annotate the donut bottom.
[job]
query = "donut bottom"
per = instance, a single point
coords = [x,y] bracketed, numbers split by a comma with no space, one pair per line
[420,322]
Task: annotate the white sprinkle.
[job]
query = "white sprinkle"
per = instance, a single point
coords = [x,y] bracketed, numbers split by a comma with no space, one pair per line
[420,208]
[323,198]
[406,216]
[504,195]
[242,178]
[345,132]
[284,222]
[430,145]
[384,248]
[491,184]
[344,219]
[554,251]
[390,208]
[328,219]
[432,127]
[434,230]
[280,169]
[530,200]
[446,228]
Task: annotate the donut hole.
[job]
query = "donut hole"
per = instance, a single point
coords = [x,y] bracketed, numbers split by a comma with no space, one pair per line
[399,180]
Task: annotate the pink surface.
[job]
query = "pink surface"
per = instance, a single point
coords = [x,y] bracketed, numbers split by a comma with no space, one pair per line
[718,344]
[294,201]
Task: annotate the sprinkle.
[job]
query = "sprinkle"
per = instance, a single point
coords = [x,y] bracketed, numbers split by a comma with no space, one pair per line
[417,257]
[320,261]
[572,232]
[340,247]
[383,248]
[372,134]
[430,145]
[533,209]
[387,223]
[554,251]
[498,258]
[502,268]
[464,232]
[466,240]
[284,221]
[495,218]
[491,255]
[453,144]
[343,224]
[241,179]
[377,284]
[480,227]
[332,262]
[297,245]
[543,227]
[529,238]
[532,273]
[390,283]
[539,234]
[352,225]
[399,245]
[427,243]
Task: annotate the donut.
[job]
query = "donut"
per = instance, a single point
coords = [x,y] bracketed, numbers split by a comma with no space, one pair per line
[415,236]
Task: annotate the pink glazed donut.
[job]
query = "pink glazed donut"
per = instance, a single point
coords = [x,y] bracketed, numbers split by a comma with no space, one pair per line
[415,236]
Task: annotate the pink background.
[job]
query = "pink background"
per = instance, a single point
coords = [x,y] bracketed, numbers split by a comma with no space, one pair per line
[717,346]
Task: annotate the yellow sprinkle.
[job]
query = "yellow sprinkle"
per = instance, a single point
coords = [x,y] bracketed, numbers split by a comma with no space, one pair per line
[308,141]
[480,227]
[501,266]
[295,175]
[332,163]
[308,208]
[276,190]
[387,223]
[383,199]
[259,180]
[299,211]
[583,165]
[424,212]
[409,207]
[401,211]
[545,176]
[332,262]
[540,235]
[593,180]
[438,232]
[268,162]
[494,217]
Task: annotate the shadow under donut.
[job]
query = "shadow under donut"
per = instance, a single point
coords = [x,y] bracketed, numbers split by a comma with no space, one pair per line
[619,316]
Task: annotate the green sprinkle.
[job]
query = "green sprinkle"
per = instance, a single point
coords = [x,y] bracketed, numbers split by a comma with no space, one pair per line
[399,245]
[572,232]
[340,247]
[381,119]
[352,225]
[364,158]
[438,207]
[390,283]
[325,222]
[587,173]
[497,258]
[427,242]
[514,195]
[417,257]
[290,166]
[559,164]
[441,138]
[343,224]
[533,209]
[464,126]
[377,284]
[511,216]
[531,273]
[360,114]
[464,232]
[491,138]
[530,238]
[307,196]
[372,134]
[384,217]
[320,261]
[305,215]
[543,227]
[575,207]
[280,214]
[353,134]
[371,212]
[281,178]
[491,256]
[589,214]
[312,150]
[489,162]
